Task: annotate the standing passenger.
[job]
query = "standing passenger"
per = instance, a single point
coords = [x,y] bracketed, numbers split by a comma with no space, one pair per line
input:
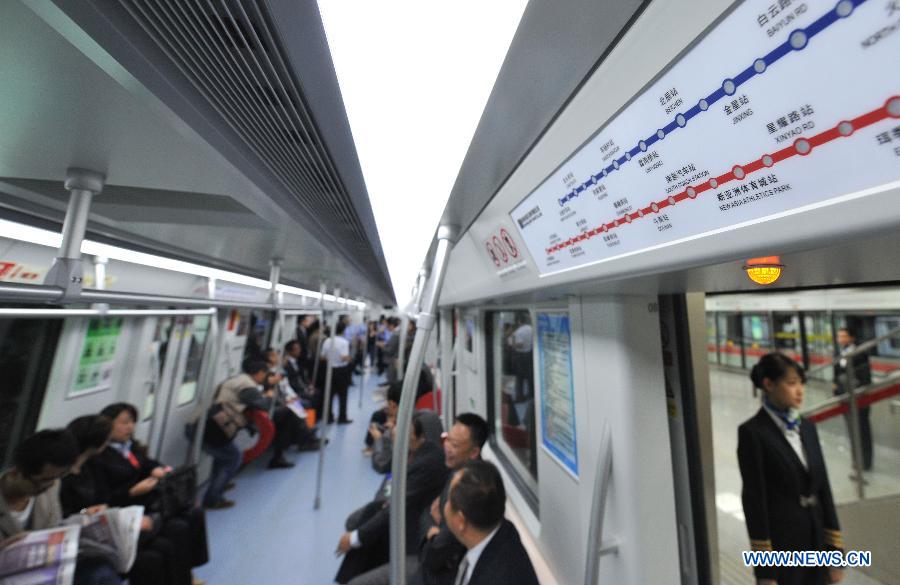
[336,351]
[787,498]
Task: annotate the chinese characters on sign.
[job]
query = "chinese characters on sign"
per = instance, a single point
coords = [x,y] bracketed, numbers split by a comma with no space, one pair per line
[557,391]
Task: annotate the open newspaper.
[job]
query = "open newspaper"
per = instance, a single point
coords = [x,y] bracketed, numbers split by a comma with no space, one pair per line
[111,534]
[41,557]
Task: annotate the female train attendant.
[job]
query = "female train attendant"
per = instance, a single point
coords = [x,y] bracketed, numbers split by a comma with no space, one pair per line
[786,494]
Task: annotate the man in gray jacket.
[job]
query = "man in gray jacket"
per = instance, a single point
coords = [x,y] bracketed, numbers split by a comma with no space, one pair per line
[29,495]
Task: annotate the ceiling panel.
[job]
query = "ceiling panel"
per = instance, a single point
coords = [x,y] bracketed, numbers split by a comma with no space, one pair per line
[66,101]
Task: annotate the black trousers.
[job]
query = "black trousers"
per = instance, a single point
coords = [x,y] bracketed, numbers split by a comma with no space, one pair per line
[341,378]
[378,417]
[289,430]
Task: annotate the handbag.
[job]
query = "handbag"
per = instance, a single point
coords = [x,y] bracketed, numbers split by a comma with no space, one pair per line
[227,418]
[176,492]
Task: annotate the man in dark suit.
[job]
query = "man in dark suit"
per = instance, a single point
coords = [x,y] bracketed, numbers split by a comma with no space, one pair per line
[474,514]
[855,372]
[440,553]
[367,541]
[293,371]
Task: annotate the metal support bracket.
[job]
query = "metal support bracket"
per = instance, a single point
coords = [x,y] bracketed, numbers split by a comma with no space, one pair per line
[67,272]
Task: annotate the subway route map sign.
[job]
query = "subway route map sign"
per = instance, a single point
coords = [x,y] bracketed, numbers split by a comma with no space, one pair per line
[782,105]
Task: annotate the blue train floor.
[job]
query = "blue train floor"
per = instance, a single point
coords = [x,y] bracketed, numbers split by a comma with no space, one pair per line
[273,536]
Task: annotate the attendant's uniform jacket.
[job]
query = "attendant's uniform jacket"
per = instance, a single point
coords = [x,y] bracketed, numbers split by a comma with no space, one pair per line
[788,506]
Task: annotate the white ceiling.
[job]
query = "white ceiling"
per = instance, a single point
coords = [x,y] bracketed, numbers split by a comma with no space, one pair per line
[170,190]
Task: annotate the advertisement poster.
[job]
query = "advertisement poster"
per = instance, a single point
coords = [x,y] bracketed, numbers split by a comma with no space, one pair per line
[557,390]
[98,354]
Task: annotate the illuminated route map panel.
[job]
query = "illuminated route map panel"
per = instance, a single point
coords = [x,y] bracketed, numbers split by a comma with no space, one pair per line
[784,104]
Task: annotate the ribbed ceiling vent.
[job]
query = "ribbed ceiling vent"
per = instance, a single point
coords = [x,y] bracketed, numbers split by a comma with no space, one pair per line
[228,51]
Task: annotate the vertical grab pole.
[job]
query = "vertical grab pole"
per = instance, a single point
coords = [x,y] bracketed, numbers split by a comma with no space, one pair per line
[445,236]
[446,352]
[325,414]
[401,352]
[855,438]
[596,546]
[315,372]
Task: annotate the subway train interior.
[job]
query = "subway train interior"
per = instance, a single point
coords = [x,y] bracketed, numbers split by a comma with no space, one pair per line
[189,225]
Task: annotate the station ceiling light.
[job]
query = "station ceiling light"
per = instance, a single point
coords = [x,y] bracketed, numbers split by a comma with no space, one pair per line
[765,270]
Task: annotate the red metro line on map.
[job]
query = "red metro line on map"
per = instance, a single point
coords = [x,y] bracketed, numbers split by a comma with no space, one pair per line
[800,147]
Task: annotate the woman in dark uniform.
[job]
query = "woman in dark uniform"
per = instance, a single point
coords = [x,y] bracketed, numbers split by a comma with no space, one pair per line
[787,498]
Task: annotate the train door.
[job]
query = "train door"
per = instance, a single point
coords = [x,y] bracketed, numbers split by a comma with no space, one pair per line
[867,509]
[187,346]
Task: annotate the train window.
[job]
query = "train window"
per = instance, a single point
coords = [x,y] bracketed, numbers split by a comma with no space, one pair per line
[757,338]
[257,334]
[188,389]
[27,347]
[514,393]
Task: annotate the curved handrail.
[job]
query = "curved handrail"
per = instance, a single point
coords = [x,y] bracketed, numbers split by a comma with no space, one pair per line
[596,546]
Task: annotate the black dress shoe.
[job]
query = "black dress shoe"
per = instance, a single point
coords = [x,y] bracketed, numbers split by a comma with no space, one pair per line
[280,463]
[344,421]
[309,445]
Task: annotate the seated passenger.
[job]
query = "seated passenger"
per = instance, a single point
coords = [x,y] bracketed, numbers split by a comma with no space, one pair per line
[294,373]
[84,491]
[383,446]
[367,540]
[290,428]
[131,477]
[383,419]
[474,514]
[29,496]
[440,553]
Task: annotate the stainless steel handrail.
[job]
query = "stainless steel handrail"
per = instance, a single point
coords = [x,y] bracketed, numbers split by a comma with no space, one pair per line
[326,411]
[890,380]
[31,293]
[407,404]
[596,546]
[861,348]
[50,313]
